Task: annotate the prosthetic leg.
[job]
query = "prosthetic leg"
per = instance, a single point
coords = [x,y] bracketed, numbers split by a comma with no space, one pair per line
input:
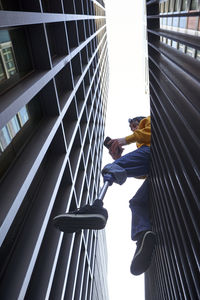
[87,217]
[91,216]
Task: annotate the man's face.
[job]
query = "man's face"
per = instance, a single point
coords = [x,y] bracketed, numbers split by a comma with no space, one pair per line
[133,126]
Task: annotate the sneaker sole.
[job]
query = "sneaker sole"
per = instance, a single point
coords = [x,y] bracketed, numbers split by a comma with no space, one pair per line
[142,259]
[74,223]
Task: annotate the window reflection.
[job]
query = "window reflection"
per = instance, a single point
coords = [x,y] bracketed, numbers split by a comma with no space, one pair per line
[23,116]
[5,138]
[184,5]
[190,51]
[184,24]
[8,132]
[13,126]
[194,4]
[13,65]
[171,6]
[183,48]
[8,65]
[2,71]
[198,55]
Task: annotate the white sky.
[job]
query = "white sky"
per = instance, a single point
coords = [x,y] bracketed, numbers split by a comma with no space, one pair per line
[127,99]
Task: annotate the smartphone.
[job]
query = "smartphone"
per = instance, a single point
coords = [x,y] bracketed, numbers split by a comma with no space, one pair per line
[107,139]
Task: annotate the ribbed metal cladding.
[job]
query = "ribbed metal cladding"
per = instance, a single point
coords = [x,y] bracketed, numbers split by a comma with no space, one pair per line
[175,109]
[57,167]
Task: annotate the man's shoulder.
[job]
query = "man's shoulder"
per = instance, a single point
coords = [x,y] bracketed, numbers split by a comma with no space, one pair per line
[145,122]
[148,118]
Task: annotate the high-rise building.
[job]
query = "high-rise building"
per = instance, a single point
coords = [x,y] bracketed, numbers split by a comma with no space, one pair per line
[53,94]
[173,29]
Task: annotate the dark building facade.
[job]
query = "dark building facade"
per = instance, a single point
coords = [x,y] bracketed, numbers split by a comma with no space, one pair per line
[173,29]
[53,94]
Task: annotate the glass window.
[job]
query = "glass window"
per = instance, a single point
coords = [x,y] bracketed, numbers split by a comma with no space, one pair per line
[190,51]
[176,8]
[183,22]
[181,48]
[194,4]
[164,21]
[170,21]
[169,42]
[2,71]
[8,132]
[175,21]
[13,126]
[174,44]
[5,138]
[13,64]
[192,23]
[166,6]
[162,7]
[184,5]
[164,40]
[23,116]
[9,61]
[171,6]
[198,55]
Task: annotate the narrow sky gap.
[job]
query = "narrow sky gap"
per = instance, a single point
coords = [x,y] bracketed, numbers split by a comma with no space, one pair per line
[127,98]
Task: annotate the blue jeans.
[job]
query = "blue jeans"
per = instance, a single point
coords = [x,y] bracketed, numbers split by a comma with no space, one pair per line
[137,163]
[139,206]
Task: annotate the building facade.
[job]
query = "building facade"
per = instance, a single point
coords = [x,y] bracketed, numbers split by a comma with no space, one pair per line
[53,95]
[173,29]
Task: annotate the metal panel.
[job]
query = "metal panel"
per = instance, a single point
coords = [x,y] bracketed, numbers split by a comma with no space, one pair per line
[57,166]
[175,111]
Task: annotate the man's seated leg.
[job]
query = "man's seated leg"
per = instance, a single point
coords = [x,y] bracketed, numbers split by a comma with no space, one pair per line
[135,163]
[144,251]
[141,230]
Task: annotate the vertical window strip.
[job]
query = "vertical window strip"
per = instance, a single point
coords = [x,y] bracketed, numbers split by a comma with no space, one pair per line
[9,131]
[5,138]
[198,55]
[2,70]
[186,24]
[181,47]
[194,5]
[185,5]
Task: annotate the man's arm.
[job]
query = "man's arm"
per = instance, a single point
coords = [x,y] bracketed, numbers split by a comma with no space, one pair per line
[140,136]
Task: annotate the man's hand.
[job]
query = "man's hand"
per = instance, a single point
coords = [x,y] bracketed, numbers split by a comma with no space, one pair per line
[116,149]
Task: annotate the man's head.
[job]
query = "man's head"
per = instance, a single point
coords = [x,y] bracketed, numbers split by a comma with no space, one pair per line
[134,122]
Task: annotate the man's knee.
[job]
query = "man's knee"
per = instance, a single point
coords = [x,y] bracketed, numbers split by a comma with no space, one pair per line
[119,174]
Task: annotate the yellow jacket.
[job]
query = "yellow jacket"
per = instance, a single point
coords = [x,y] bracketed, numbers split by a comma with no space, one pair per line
[142,135]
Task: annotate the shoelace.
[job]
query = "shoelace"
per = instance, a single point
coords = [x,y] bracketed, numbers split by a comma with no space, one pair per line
[84,208]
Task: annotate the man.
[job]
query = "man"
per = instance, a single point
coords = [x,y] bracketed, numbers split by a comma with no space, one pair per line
[134,164]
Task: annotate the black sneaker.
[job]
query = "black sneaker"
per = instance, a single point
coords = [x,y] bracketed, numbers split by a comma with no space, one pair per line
[86,217]
[143,254]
